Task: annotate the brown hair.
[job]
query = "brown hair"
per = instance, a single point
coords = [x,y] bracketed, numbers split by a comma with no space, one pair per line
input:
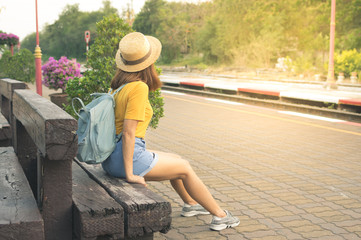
[148,75]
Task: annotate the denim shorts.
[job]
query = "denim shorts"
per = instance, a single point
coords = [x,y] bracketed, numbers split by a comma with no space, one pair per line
[143,160]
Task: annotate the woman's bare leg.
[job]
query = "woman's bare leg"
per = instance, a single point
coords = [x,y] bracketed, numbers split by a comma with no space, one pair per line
[178,186]
[171,167]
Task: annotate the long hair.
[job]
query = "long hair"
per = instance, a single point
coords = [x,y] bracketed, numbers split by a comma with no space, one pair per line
[148,76]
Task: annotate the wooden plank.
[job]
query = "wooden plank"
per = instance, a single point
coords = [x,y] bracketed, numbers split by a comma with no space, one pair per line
[5,132]
[19,214]
[51,128]
[145,212]
[95,213]
[3,122]
[7,86]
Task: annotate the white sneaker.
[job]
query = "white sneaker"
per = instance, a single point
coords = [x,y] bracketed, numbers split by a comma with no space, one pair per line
[228,221]
[193,210]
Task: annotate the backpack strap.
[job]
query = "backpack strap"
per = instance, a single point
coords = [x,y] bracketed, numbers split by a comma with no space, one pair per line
[117,90]
[82,104]
[119,136]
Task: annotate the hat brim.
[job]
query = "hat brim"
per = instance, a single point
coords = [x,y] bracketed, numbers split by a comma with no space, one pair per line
[156,48]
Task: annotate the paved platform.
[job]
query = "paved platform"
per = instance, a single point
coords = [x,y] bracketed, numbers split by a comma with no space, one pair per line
[347,94]
[285,177]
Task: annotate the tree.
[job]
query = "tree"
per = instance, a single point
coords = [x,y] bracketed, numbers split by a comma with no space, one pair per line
[348,24]
[150,17]
[65,37]
[256,33]
[29,42]
[173,23]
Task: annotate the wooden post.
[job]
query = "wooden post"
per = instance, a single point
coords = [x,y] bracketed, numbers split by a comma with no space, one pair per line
[52,132]
[7,87]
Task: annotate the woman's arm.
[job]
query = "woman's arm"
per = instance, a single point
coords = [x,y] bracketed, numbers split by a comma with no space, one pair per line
[128,139]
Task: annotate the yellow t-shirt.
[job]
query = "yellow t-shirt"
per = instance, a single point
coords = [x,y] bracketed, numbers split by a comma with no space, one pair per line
[132,103]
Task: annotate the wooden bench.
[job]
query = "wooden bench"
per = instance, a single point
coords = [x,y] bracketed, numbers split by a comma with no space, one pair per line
[19,214]
[144,211]
[95,213]
[76,201]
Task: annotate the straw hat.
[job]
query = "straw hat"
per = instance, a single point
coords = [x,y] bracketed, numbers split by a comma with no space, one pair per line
[137,52]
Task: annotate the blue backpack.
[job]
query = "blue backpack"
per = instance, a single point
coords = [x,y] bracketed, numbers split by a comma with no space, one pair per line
[96,128]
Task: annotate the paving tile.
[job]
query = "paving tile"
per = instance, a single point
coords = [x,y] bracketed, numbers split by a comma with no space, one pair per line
[333,237]
[316,234]
[333,228]
[354,213]
[306,228]
[297,223]
[260,234]
[354,229]
[351,236]
[252,228]
[272,237]
[276,213]
[314,219]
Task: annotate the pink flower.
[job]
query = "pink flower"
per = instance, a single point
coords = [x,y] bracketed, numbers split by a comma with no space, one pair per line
[58,73]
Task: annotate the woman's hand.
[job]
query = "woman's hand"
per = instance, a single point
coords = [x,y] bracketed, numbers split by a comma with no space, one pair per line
[136,179]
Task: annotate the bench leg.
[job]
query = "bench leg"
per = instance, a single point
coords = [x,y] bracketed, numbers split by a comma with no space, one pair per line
[57,199]
[26,151]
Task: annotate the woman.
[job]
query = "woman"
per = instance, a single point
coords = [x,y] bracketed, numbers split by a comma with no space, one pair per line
[130,160]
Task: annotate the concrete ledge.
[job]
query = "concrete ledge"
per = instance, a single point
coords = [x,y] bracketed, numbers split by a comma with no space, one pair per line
[356,102]
[310,96]
[259,91]
[193,84]
[228,87]
[325,112]
[319,99]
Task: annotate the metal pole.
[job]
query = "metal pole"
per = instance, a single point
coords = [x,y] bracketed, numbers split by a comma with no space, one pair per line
[37,55]
[87,50]
[331,83]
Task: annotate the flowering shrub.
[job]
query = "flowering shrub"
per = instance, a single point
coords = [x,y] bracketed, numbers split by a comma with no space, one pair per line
[347,62]
[3,38]
[20,66]
[8,39]
[57,73]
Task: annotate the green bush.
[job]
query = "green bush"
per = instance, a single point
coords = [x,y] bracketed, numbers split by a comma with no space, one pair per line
[101,62]
[21,66]
[347,62]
